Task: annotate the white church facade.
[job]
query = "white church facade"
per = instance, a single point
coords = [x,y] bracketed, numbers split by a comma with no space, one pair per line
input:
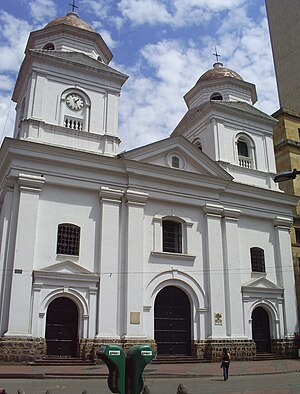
[183,243]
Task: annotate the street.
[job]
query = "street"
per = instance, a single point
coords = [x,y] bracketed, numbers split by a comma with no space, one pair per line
[288,383]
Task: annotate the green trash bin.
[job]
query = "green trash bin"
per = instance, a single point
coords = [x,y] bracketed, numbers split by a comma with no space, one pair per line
[137,358]
[114,358]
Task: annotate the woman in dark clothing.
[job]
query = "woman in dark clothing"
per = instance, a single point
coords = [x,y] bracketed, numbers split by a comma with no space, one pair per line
[225,357]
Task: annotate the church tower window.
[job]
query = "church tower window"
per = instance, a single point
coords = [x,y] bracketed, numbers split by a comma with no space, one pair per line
[257,260]
[68,239]
[216,96]
[172,236]
[49,47]
[245,152]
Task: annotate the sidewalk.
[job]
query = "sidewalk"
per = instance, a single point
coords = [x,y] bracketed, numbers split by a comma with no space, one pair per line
[152,370]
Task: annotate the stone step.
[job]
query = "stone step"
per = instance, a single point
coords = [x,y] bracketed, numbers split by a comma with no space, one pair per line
[269,356]
[61,361]
[177,360]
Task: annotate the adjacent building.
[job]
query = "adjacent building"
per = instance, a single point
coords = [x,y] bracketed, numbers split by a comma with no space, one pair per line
[283,17]
[183,243]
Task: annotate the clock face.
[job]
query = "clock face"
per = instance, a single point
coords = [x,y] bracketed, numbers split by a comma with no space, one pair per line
[74,101]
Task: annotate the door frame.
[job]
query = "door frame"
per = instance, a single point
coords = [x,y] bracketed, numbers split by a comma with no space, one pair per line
[263,345]
[74,338]
[188,321]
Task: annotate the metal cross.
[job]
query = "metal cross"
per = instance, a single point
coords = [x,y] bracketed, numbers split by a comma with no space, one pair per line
[73,5]
[216,54]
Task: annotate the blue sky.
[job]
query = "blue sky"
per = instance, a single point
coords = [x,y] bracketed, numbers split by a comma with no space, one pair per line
[163,46]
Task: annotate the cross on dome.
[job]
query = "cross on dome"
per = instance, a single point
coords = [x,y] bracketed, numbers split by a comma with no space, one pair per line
[216,54]
[73,5]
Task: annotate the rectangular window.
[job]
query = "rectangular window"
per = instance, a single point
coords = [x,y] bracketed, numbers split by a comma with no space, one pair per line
[257,260]
[68,239]
[172,237]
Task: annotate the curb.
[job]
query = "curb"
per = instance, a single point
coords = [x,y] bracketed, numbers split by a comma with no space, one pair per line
[146,375]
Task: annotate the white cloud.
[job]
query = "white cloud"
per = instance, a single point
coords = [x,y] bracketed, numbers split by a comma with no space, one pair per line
[176,13]
[151,107]
[13,36]
[7,117]
[6,83]
[146,11]
[42,10]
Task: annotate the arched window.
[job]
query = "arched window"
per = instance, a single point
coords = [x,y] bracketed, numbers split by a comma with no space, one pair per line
[172,236]
[68,239]
[257,260]
[197,143]
[245,151]
[216,96]
[49,46]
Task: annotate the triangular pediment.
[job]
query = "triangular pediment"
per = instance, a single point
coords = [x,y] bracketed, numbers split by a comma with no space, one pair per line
[67,267]
[191,158]
[261,283]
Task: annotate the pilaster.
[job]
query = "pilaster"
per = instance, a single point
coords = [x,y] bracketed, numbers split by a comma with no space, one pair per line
[30,187]
[214,271]
[110,281]
[135,248]
[232,274]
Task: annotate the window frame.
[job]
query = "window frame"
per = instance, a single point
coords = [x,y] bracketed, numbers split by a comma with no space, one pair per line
[257,258]
[248,161]
[172,241]
[64,244]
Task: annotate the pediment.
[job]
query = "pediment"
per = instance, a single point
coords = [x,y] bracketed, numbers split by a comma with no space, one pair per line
[66,267]
[262,284]
[191,158]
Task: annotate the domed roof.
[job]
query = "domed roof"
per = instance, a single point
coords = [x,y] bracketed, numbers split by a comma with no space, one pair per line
[218,71]
[71,19]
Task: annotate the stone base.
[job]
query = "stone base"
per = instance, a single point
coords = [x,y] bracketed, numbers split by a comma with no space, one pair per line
[212,349]
[287,347]
[29,349]
[21,349]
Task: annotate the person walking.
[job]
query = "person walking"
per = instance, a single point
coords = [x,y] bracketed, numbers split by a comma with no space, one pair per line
[225,357]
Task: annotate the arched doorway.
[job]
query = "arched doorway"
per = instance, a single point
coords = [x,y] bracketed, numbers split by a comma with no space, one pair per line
[172,322]
[261,330]
[62,328]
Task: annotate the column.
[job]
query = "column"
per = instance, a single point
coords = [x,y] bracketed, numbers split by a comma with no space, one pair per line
[21,290]
[285,272]
[109,291]
[214,272]
[135,264]
[232,275]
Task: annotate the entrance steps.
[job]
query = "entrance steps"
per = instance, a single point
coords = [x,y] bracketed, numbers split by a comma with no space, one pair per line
[65,361]
[177,360]
[269,356]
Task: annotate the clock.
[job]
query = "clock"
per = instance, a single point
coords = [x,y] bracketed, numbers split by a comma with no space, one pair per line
[74,101]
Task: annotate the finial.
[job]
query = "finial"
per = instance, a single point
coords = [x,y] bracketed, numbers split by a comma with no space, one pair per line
[216,55]
[73,5]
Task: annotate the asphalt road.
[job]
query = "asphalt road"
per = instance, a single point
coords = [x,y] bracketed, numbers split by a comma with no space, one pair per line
[288,383]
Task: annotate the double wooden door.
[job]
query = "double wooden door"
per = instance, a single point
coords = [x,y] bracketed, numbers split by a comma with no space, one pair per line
[62,328]
[172,322]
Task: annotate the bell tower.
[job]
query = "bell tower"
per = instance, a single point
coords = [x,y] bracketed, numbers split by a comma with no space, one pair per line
[222,121]
[66,92]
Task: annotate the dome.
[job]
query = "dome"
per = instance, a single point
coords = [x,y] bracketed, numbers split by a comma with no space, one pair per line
[71,19]
[218,71]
